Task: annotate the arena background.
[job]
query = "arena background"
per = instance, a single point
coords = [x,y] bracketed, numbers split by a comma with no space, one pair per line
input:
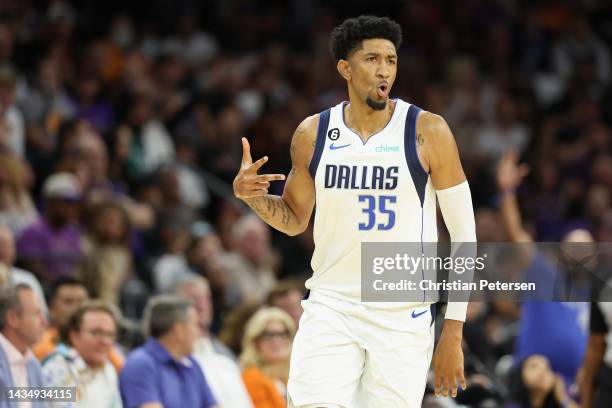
[146,102]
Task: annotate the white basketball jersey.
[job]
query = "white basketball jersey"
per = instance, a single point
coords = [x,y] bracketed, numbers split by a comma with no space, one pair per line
[366,192]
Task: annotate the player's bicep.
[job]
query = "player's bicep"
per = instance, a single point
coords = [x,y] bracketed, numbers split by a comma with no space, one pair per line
[299,192]
[441,151]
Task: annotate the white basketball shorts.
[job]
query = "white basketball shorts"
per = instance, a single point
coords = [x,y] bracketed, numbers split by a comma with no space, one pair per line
[349,355]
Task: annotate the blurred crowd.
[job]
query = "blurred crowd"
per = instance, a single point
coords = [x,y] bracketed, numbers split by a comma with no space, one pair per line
[120,129]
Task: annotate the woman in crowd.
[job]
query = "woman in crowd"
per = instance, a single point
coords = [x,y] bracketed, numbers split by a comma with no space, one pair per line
[17,209]
[108,262]
[534,385]
[265,357]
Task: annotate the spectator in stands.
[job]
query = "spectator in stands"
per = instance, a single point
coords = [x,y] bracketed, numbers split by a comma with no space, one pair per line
[90,104]
[207,257]
[535,385]
[251,265]
[162,373]
[82,360]
[65,297]
[17,209]
[46,102]
[217,361]
[52,246]
[148,141]
[21,325]
[16,275]
[581,46]
[204,256]
[265,357]
[507,132]
[100,188]
[173,208]
[547,327]
[108,260]
[234,325]
[172,266]
[288,295]
[12,127]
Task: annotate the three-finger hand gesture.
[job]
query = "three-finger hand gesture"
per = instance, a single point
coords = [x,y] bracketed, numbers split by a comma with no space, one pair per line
[249,184]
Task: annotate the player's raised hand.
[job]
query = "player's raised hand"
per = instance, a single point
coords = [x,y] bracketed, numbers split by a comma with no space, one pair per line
[509,172]
[248,183]
[447,361]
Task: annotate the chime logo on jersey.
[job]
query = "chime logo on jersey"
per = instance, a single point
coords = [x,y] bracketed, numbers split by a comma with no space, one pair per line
[361,177]
[387,149]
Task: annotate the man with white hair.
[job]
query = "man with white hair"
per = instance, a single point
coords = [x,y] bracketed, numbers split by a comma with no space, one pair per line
[21,325]
[221,371]
[250,265]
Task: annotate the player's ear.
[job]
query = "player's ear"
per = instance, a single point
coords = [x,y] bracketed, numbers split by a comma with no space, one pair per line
[344,69]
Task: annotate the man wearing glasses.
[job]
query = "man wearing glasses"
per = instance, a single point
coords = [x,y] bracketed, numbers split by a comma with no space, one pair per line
[82,360]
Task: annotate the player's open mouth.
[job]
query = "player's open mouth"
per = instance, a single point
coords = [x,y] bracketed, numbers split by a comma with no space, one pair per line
[383,90]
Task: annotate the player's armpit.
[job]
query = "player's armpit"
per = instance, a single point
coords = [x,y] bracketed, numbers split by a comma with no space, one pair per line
[438,151]
[299,192]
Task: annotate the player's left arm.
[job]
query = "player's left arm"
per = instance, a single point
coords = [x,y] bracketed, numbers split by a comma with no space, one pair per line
[439,156]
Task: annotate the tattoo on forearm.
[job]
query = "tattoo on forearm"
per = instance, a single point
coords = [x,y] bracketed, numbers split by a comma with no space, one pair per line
[420,139]
[267,207]
[271,206]
[257,206]
[285,219]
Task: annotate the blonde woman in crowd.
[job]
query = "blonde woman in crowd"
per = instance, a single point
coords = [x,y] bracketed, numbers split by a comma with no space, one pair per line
[266,350]
[17,209]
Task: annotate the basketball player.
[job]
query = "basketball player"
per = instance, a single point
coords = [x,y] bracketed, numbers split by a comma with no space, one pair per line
[373,166]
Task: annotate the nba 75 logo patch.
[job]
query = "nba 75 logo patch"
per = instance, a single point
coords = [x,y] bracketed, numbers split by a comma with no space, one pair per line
[333,134]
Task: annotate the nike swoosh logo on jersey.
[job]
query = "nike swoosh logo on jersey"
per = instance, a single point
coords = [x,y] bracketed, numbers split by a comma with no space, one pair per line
[332,147]
[415,315]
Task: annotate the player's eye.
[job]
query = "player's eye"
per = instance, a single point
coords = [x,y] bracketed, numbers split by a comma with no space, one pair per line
[392,62]
[371,59]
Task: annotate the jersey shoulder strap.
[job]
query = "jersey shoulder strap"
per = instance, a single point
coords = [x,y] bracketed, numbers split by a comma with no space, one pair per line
[419,176]
[320,142]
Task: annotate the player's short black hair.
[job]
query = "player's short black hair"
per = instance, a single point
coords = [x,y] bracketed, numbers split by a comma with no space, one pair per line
[347,37]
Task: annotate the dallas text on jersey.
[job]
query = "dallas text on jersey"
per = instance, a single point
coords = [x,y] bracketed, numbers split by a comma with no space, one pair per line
[361,177]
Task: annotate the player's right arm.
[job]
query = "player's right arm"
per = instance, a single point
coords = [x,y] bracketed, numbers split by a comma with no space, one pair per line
[291,212]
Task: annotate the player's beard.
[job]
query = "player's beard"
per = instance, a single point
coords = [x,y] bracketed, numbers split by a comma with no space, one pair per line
[376,105]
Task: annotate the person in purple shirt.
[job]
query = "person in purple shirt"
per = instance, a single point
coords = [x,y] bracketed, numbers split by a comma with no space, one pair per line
[162,372]
[51,247]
